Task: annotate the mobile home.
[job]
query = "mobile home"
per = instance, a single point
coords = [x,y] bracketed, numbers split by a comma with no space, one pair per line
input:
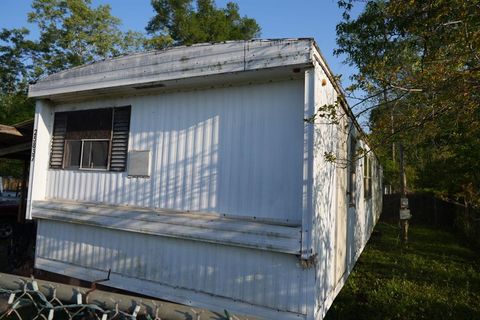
[210,175]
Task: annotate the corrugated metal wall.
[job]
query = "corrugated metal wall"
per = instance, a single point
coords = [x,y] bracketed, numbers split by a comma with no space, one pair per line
[258,277]
[230,150]
[337,253]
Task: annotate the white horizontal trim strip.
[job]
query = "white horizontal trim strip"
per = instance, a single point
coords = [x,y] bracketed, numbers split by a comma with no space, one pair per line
[176,224]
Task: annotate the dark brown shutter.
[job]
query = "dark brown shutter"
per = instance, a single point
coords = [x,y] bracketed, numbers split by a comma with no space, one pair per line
[58,140]
[120,130]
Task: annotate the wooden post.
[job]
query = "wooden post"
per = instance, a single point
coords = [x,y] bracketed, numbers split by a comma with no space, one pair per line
[23,192]
[403,177]
[393,132]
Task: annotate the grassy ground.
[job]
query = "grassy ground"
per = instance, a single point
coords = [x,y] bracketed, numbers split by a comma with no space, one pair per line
[434,277]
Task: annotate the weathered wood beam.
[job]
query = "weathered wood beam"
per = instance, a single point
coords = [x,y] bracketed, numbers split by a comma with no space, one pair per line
[10,130]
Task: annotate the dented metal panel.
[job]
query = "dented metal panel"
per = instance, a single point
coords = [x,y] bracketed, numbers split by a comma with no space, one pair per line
[227,150]
[177,63]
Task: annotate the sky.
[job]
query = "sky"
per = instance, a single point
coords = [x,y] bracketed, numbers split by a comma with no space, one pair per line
[278,19]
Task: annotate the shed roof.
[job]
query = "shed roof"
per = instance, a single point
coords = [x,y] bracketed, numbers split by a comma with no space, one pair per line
[16,140]
[166,67]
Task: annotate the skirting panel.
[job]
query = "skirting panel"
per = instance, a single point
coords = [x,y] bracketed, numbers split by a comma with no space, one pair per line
[177,295]
[176,269]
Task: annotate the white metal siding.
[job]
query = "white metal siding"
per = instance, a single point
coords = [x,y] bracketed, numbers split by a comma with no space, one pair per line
[324,188]
[230,150]
[360,218]
[43,128]
[258,277]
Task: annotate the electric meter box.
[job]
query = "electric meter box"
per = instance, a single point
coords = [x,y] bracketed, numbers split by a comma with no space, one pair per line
[405,214]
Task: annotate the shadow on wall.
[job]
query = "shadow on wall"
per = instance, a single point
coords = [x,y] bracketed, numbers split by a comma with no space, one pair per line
[233,150]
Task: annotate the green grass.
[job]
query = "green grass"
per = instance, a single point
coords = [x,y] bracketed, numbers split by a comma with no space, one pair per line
[434,277]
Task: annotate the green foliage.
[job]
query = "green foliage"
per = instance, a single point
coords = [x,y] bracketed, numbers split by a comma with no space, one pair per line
[419,66]
[11,168]
[327,113]
[433,278]
[14,49]
[180,22]
[73,33]
[15,107]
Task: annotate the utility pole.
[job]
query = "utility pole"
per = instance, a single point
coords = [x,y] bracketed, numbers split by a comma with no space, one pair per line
[404,208]
[385,95]
[393,132]
[403,177]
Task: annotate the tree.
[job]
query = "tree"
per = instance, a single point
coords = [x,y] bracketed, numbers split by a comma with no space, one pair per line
[15,51]
[419,70]
[73,33]
[180,22]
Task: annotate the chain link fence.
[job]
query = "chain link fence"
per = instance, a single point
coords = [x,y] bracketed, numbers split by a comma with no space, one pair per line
[29,302]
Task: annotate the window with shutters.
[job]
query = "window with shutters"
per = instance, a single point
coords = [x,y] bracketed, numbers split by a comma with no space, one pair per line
[94,139]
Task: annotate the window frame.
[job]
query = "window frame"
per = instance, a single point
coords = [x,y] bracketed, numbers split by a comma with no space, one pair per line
[80,167]
[367,177]
[352,171]
[119,134]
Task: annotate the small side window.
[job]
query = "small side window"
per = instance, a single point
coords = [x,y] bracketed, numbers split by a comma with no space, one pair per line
[352,168]
[367,177]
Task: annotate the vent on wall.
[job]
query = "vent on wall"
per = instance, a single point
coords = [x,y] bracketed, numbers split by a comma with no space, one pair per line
[139,163]
[149,86]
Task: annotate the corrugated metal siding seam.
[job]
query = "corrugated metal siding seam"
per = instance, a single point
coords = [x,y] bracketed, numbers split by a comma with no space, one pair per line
[232,150]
